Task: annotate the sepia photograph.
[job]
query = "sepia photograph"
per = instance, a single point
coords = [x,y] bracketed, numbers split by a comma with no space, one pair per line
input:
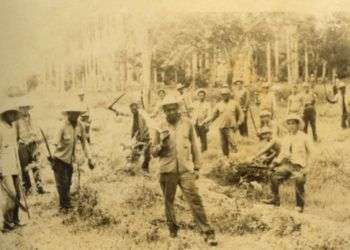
[174,124]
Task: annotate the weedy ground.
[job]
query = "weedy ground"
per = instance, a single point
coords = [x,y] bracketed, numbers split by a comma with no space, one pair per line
[113,210]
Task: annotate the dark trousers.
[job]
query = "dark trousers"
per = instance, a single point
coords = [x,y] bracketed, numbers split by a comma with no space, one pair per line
[27,156]
[186,181]
[309,118]
[63,176]
[345,120]
[202,132]
[147,158]
[11,183]
[285,172]
[243,128]
[227,141]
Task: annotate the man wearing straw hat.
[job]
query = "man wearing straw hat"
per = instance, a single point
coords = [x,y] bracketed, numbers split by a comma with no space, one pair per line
[175,146]
[243,98]
[85,117]
[201,113]
[267,100]
[63,158]
[309,111]
[9,168]
[28,141]
[185,100]
[229,114]
[291,162]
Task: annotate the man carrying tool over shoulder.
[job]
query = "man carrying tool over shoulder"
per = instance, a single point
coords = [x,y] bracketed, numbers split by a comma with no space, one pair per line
[62,161]
[9,168]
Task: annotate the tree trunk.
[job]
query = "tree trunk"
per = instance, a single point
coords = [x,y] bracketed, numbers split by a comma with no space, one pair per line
[268,58]
[296,59]
[334,73]
[146,70]
[324,69]
[194,68]
[277,61]
[288,63]
[306,73]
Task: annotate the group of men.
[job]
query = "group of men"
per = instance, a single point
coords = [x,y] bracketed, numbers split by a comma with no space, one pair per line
[20,138]
[174,144]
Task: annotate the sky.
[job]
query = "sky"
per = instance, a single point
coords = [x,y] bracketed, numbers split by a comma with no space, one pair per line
[30,30]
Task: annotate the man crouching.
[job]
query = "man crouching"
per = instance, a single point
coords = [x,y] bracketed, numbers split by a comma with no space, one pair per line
[174,145]
[291,162]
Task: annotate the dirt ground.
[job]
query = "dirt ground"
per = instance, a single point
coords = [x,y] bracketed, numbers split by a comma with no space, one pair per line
[114,210]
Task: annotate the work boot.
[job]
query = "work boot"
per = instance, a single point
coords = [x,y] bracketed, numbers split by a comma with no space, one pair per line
[272,201]
[210,239]
[8,227]
[173,230]
[299,209]
[18,224]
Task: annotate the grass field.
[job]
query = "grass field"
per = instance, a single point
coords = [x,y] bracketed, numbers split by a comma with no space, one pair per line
[118,211]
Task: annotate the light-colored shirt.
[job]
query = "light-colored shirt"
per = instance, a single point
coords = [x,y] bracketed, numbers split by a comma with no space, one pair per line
[26,130]
[309,99]
[229,114]
[201,112]
[186,104]
[296,148]
[295,104]
[67,140]
[181,153]
[9,163]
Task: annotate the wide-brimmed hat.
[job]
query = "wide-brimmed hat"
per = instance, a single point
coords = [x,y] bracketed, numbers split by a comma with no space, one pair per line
[8,107]
[161,90]
[74,108]
[265,85]
[340,84]
[225,91]
[201,91]
[24,102]
[180,86]
[295,117]
[265,113]
[265,130]
[238,81]
[169,100]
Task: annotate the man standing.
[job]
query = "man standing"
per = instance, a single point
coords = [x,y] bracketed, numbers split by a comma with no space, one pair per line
[295,102]
[343,98]
[230,116]
[140,131]
[185,100]
[85,117]
[158,107]
[9,167]
[309,112]
[267,100]
[293,159]
[28,142]
[175,146]
[243,98]
[201,114]
[63,158]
